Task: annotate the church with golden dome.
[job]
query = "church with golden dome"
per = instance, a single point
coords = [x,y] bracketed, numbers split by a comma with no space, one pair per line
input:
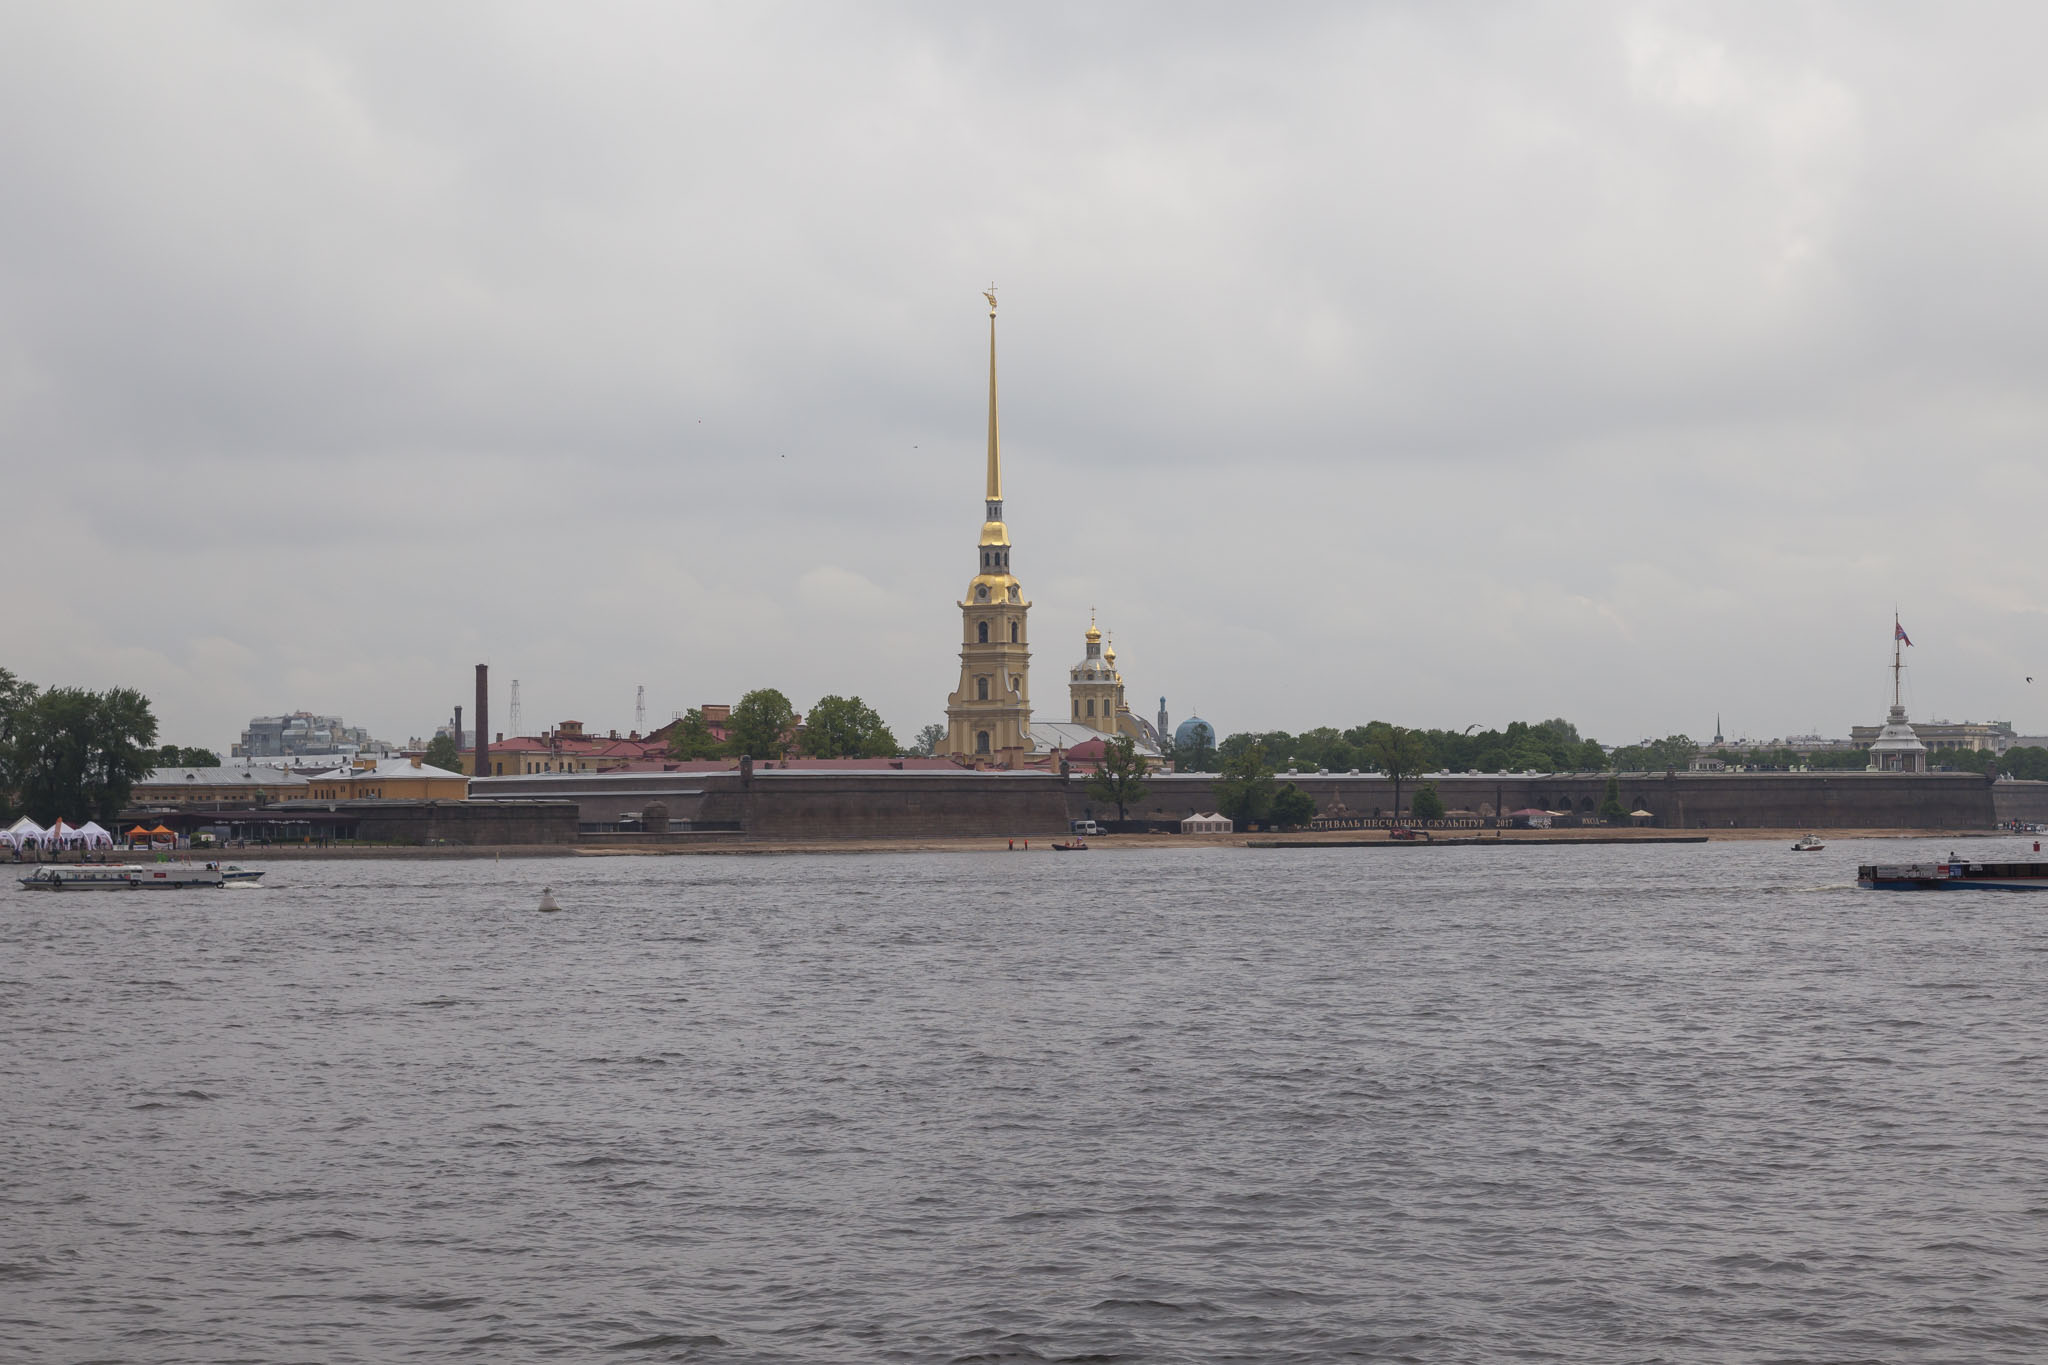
[988,716]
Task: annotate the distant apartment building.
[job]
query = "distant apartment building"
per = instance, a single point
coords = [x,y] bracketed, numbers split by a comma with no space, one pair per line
[302,732]
[1991,736]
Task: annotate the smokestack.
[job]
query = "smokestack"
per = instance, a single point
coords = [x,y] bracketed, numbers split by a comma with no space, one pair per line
[458,728]
[483,721]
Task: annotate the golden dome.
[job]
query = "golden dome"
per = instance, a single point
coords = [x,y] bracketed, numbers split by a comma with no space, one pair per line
[994,533]
[1094,636]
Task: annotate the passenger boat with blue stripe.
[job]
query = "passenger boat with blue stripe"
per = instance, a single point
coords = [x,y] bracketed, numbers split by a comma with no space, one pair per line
[1953,875]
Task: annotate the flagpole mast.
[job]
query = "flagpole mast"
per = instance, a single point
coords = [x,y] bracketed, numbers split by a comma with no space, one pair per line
[1898,659]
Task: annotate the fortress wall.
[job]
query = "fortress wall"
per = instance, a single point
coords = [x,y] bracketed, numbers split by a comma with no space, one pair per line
[2026,801]
[876,805]
[801,804]
[468,822]
[603,797]
[1830,800]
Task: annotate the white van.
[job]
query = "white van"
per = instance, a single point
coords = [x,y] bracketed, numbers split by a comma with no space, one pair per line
[1086,827]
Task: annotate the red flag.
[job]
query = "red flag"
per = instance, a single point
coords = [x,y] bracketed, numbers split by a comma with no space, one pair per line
[1899,633]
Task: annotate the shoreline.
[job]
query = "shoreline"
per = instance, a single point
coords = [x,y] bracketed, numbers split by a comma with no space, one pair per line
[1104,843]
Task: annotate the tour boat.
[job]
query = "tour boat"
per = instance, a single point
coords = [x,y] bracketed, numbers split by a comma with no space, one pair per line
[126,877]
[1808,844]
[1954,875]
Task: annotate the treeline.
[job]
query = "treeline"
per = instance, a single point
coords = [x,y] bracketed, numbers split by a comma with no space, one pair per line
[69,753]
[2028,761]
[1553,745]
[763,725]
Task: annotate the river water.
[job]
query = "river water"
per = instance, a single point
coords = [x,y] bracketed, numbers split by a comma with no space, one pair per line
[1668,1103]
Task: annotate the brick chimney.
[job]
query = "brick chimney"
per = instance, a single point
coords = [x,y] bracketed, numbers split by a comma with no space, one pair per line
[483,721]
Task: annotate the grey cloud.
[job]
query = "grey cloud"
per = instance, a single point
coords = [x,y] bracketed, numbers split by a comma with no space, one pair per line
[1434,362]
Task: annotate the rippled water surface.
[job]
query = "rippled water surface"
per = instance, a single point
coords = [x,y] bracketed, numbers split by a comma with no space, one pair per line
[1609,1104]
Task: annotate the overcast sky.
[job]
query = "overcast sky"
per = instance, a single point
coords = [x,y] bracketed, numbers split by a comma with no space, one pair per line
[1442,364]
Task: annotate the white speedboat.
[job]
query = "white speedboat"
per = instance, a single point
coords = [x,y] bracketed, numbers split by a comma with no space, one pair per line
[122,877]
[240,876]
[1808,844]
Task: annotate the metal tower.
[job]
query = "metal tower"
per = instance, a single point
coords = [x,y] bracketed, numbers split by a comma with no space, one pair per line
[515,708]
[640,708]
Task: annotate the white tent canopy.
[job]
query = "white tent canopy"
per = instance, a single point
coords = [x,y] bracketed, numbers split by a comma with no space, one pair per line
[24,832]
[1206,824]
[93,836]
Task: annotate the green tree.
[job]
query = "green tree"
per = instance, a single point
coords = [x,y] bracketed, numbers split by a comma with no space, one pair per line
[846,727]
[2027,762]
[1119,780]
[1293,808]
[443,753]
[1657,755]
[1244,786]
[929,739]
[1278,745]
[691,738]
[1197,755]
[1427,804]
[15,698]
[185,756]
[1835,760]
[760,725]
[1400,754]
[1611,809]
[74,753]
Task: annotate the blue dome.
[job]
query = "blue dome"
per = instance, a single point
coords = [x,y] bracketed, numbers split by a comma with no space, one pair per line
[1185,732]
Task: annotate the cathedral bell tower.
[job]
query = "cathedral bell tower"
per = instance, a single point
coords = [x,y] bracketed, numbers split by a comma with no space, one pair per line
[1095,691]
[988,720]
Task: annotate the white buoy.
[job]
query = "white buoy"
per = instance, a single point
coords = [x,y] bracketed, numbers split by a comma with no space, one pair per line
[547,899]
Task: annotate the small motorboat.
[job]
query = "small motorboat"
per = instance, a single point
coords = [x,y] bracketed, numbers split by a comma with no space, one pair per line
[548,904]
[231,875]
[1808,844]
[1078,846]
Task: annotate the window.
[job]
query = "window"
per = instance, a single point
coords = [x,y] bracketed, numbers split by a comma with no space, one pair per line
[1013,632]
[981,689]
[1077,710]
[981,741]
[1091,706]
[983,632]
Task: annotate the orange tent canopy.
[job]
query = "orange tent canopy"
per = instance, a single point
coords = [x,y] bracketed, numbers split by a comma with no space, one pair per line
[137,830]
[161,830]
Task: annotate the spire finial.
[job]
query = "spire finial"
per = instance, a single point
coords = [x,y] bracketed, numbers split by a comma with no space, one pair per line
[995,457]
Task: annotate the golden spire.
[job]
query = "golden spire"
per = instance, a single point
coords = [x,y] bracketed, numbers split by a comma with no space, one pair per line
[995,459]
